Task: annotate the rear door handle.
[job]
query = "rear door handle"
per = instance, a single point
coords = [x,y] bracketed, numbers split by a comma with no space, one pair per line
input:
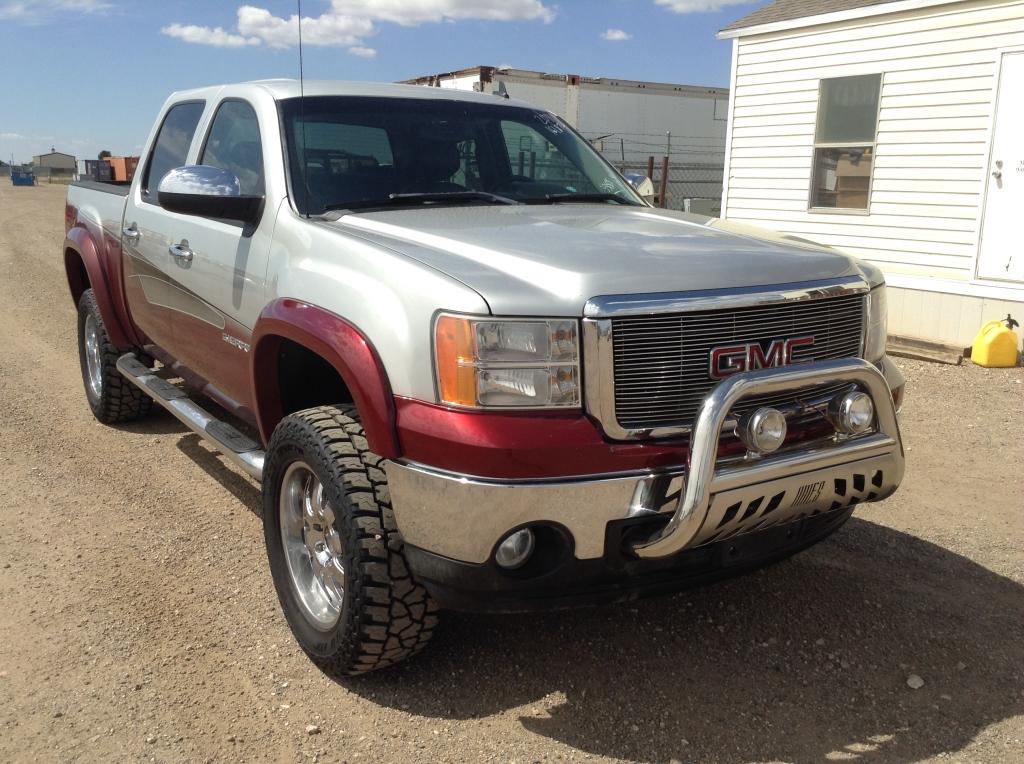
[181,251]
[131,234]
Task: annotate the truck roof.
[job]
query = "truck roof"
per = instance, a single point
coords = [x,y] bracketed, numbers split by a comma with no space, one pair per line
[284,88]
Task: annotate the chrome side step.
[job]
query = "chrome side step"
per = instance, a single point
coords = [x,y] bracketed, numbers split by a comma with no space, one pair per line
[243,451]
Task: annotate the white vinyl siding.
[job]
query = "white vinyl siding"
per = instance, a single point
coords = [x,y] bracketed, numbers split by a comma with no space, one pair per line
[939,70]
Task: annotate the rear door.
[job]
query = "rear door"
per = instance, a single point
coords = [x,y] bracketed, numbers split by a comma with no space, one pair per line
[153,294]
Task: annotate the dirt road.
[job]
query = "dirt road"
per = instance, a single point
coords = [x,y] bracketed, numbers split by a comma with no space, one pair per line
[138,620]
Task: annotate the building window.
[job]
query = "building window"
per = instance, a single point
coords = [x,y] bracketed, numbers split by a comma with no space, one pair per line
[844,142]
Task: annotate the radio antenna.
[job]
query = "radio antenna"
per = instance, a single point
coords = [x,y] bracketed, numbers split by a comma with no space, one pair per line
[302,116]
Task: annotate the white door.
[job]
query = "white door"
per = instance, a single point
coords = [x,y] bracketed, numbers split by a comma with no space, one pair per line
[1002,246]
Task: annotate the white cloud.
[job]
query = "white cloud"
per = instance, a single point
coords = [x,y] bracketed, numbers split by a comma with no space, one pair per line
[348,23]
[699,6]
[36,11]
[415,12]
[616,35]
[215,36]
[330,29]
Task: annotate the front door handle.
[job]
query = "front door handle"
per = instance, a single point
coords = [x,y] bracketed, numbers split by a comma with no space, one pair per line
[131,234]
[181,251]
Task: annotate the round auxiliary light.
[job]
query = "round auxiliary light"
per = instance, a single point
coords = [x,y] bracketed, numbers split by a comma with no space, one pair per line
[763,431]
[515,549]
[852,413]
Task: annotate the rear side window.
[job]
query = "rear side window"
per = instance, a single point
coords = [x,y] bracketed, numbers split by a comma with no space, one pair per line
[171,147]
[234,145]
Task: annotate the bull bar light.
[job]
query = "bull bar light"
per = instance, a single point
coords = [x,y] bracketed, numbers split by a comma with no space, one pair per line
[507,362]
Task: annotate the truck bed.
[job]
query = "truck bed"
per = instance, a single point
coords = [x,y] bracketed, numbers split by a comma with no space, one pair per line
[119,188]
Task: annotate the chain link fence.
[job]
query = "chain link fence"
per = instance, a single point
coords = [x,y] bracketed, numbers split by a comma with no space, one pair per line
[686,181]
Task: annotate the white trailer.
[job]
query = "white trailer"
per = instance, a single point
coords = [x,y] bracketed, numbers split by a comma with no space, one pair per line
[627,120]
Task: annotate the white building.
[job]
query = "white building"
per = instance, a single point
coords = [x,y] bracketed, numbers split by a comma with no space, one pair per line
[893,131]
[629,120]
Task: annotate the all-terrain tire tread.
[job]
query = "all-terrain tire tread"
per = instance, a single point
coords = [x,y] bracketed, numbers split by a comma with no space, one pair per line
[384,598]
[120,400]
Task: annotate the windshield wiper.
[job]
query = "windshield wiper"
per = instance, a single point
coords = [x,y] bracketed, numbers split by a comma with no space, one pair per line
[399,200]
[556,198]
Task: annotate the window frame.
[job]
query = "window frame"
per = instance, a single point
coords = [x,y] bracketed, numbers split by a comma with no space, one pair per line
[815,145]
[259,129]
[145,194]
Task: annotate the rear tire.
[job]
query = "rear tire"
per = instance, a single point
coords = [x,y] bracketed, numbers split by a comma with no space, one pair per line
[111,397]
[334,550]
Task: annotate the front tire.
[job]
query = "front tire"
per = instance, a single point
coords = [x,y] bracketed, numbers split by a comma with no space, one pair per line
[111,397]
[334,550]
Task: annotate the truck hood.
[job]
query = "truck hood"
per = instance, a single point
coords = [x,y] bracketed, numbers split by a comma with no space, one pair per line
[549,260]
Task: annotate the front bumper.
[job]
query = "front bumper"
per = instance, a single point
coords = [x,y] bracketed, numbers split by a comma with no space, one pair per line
[699,503]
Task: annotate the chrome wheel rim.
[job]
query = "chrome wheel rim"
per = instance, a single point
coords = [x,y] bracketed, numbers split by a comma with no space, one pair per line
[312,546]
[93,366]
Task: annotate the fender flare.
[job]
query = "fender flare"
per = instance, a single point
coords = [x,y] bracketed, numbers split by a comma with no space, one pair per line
[80,246]
[343,346]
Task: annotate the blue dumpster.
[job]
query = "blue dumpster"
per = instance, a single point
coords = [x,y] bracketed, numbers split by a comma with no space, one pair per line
[23,178]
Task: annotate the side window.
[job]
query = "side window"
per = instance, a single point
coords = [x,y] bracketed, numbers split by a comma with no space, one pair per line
[172,143]
[844,141]
[234,145]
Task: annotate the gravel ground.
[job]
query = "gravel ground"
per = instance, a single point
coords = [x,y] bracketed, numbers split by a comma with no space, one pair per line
[138,619]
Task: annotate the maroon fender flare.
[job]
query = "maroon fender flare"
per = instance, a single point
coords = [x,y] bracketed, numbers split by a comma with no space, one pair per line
[80,246]
[339,343]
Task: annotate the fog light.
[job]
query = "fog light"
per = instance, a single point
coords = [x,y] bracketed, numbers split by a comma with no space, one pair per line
[515,549]
[763,431]
[852,413]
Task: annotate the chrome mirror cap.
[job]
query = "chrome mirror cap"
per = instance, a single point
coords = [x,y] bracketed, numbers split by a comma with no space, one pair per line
[200,180]
[208,192]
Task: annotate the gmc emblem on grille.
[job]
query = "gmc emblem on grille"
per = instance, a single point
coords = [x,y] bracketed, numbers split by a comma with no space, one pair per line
[727,360]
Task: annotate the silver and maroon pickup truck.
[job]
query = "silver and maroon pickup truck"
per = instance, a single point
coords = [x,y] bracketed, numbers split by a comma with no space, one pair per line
[469,365]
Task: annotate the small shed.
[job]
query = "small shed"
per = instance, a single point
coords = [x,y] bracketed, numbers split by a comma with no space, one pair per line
[892,130]
[56,160]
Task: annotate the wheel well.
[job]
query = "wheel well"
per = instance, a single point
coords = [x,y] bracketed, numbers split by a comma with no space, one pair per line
[305,379]
[78,277]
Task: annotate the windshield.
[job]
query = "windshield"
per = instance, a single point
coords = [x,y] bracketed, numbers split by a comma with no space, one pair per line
[358,151]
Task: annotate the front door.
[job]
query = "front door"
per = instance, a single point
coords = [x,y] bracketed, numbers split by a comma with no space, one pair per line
[227,262]
[1002,247]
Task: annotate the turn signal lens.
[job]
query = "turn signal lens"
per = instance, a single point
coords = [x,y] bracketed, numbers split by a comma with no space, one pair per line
[456,375]
[507,363]
[876,332]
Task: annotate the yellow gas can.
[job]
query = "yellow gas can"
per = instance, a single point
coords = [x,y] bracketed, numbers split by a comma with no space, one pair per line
[996,344]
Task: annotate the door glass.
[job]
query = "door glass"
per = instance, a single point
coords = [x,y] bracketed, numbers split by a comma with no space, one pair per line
[234,145]
[172,144]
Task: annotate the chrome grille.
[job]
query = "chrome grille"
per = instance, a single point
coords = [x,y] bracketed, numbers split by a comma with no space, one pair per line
[661,362]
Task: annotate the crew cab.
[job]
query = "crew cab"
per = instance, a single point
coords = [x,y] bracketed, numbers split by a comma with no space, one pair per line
[468,365]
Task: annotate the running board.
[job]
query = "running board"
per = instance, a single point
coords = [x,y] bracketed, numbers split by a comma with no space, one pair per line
[243,451]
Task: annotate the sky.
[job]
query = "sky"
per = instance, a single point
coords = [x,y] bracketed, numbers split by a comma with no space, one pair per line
[86,75]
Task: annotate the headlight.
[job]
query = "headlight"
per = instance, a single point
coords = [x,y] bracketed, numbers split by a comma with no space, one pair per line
[877,329]
[507,363]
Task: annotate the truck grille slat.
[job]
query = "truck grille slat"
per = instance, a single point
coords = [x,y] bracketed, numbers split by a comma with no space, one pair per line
[662,362]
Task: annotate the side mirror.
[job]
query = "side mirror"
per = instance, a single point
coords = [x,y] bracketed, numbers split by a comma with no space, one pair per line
[642,185]
[208,192]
